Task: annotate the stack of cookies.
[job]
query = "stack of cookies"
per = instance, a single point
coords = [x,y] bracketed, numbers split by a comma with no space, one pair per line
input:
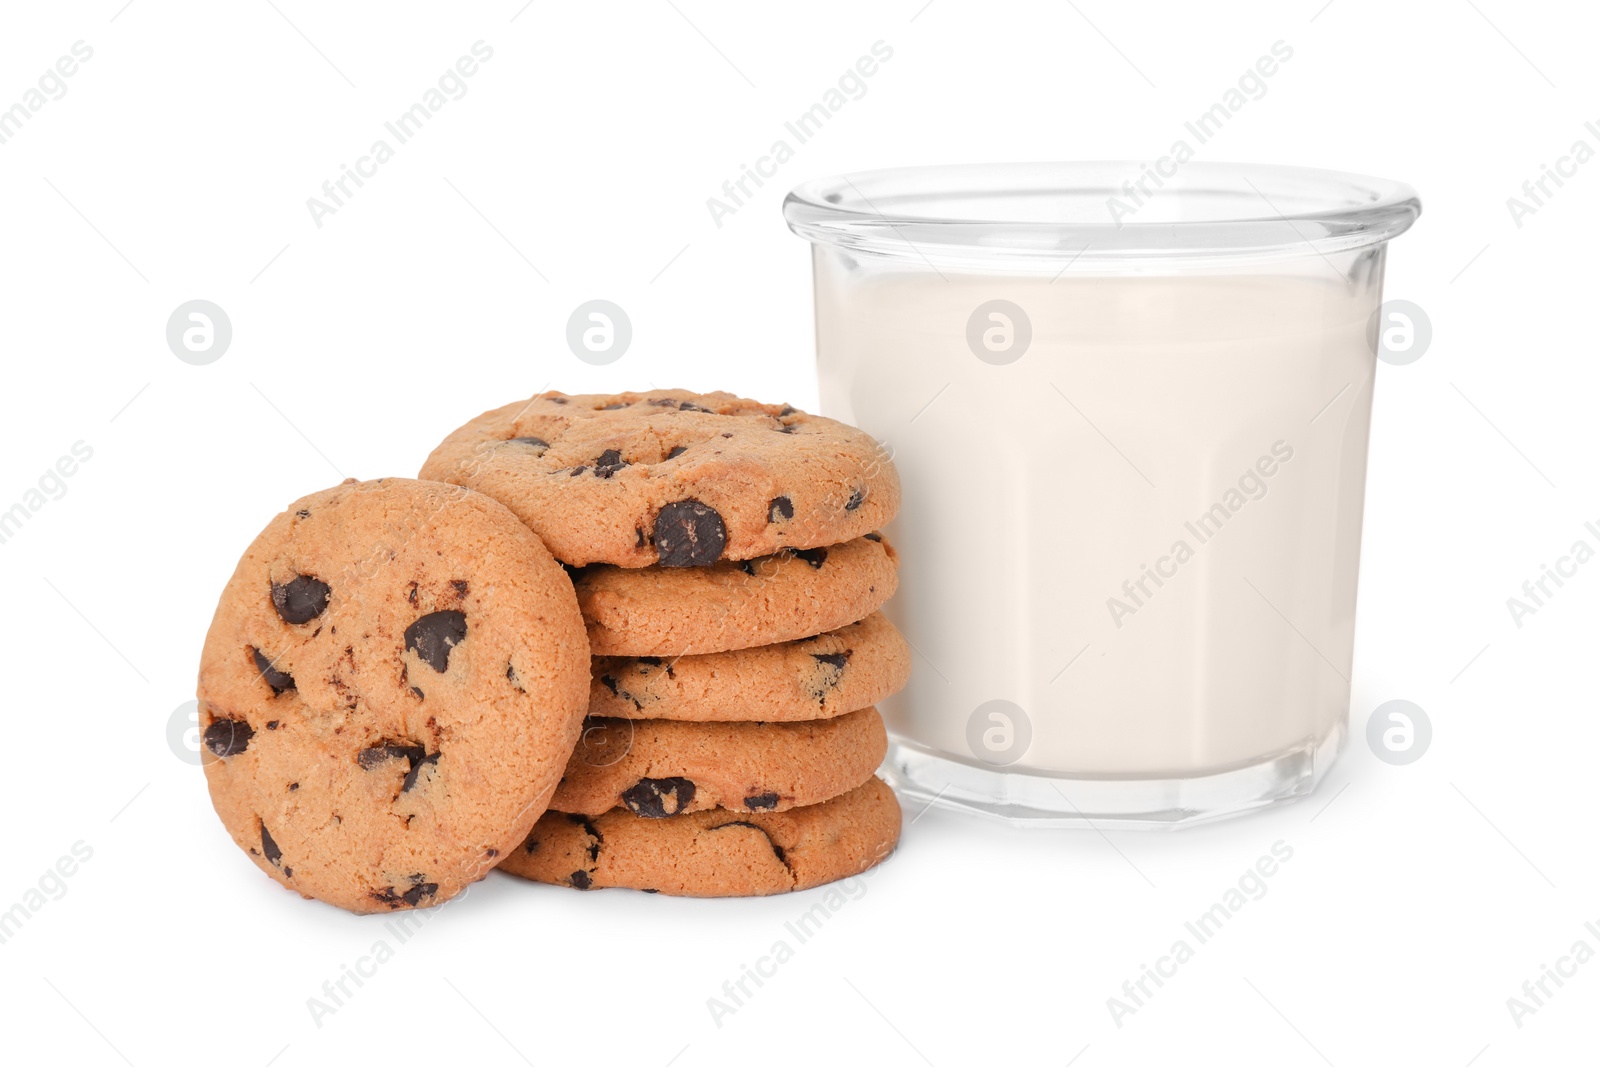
[729,571]
[636,643]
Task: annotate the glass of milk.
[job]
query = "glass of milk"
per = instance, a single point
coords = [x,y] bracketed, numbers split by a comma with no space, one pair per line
[1129,406]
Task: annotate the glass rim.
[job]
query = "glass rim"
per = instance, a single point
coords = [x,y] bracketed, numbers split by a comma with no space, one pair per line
[1098,211]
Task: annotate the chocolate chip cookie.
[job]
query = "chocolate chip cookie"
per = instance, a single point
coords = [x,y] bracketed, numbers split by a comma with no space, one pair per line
[662,611]
[671,477]
[813,678]
[715,853]
[392,683]
[659,767]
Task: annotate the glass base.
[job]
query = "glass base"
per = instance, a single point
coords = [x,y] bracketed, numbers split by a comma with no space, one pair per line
[1033,798]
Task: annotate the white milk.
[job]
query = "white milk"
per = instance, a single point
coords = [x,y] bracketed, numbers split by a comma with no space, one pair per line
[1164,491]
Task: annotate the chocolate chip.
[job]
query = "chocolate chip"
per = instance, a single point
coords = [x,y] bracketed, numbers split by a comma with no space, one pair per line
[272,724]
[814,556]
[689,534]
[613,407]
[787,410]
[511,676]
[301,599]
[830,680]
[677,451]
[228,737]
[873,536]
[434,635]
[638,534]
[761,801]
[459,585]
[686,406]
[609,463]
[748,567]
[416,768]
[656,798]
[416,757]
[781,507]
[609,682]
[288,872]
[855,500]
[663,402]
[303,514]
[727,435]
[556,399]
[577,471]
[579,880]
[532,442]
[293,786]
[412,896]
[269,847]
[491,852]
[275,678]
[419,692]
[373,755]
[595,837]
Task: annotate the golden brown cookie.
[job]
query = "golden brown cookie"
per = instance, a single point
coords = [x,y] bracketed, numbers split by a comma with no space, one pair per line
[715,853]
[663,611]
[672,477]
[660,767]
[392,683]
[813,678]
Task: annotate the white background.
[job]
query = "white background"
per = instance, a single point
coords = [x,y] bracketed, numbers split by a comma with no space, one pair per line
[177,166]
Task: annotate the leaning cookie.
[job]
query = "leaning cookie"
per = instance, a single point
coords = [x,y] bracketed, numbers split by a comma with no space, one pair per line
[393,681]
[672,477]
[658,767]
[818,677]
[714,853]
[659,611]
